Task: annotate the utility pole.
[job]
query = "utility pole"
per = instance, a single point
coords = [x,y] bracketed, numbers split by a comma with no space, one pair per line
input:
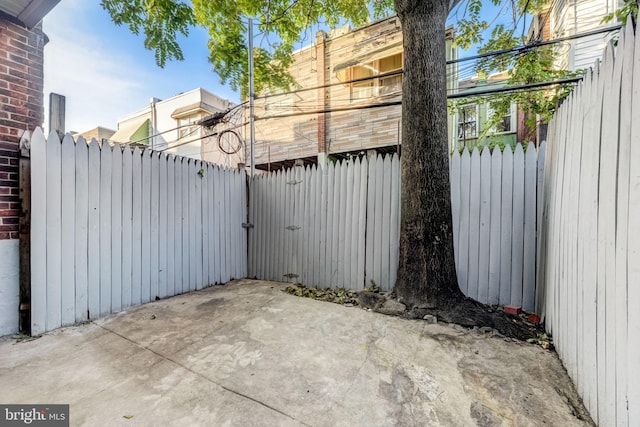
[252,131]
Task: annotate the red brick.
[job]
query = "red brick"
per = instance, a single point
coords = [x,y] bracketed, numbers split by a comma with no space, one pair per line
[12,220]
[534,318]
[4,213]
[5,236]
[512,309]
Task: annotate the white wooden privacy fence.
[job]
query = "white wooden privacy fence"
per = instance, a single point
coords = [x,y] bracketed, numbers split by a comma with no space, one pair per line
[589,278]
[113,228]
[339,227]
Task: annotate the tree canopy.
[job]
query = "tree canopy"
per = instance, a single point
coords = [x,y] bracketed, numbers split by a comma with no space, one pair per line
[280,24]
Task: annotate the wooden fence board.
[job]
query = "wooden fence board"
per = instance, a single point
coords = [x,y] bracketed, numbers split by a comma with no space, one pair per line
[454,178]
[495,227]
[163,226]
[385,230]
[474,225]
[136,214]
[38,233]
[621,307]
[170,229]
[606,228]
[155,226]
[53,235]
[506,228]
[106,168]
[465,191]
[485,225]
[145,285]
[116,230]
[68,225]
[530,219]
[93,244]
[394,237]
[127,226]
[633,251]
[81,236]
[517,233]
[371,189]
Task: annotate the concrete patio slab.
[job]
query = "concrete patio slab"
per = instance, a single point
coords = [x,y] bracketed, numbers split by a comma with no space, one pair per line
[247,354]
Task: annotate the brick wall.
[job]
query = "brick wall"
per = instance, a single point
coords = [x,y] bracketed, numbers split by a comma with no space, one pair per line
[21,107]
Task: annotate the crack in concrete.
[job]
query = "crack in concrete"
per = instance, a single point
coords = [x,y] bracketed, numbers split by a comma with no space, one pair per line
[228,389]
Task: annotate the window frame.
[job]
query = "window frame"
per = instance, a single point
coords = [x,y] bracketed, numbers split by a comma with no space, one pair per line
[459,122]
[375,88]
[513,117]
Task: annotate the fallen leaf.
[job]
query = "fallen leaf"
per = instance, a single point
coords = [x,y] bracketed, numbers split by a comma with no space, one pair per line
[127,416]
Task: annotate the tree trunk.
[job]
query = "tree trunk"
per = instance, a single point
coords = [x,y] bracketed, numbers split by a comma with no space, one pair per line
[426,275]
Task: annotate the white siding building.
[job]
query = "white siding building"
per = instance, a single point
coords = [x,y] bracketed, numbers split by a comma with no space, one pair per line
[169,125]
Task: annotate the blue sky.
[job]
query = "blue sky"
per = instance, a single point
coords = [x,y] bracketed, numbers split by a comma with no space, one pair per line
[105,72]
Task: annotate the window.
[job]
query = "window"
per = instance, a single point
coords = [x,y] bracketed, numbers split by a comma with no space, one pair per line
[507,123]
[391,83]
[376,86]
[187,127]
[467,123]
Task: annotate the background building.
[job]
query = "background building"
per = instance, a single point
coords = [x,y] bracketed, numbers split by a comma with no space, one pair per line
[327,114]
[172,125]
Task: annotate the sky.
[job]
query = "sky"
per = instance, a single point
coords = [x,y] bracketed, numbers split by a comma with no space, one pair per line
[105,72]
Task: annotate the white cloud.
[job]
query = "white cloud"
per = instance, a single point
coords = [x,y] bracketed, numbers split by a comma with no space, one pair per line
[100,81]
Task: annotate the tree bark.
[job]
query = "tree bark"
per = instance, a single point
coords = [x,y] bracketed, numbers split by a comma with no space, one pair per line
[426,275]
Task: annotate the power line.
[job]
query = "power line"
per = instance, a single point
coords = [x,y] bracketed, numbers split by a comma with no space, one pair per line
[452,96]
[516,50]
[513,88]
[536,44]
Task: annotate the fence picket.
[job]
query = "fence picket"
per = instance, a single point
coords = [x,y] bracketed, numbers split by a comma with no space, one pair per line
[116,230]
[633,250]
[170,230]
[371,191]
[68,225]
[517,233]
[154,265]
[163,166]
[506,226]
[127,226]
[462,267]
[394,226]
[485,225]
[197,215]
[186,225]
[530,215]
[136,213]
[93,262]
[495,227]
[38,233]
[106,168]
[81,237]
[454,178]
[145,271]
[474,225]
